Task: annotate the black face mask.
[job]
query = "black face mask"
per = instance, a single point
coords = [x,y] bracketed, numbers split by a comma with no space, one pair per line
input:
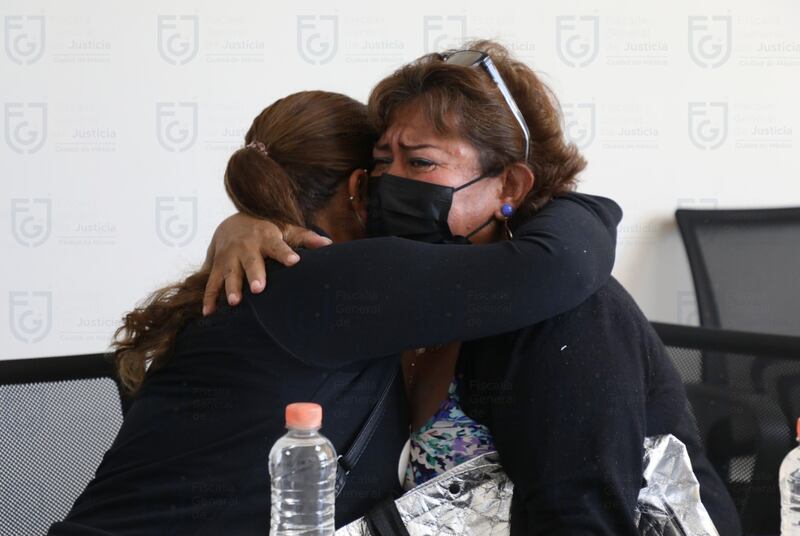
[414,209]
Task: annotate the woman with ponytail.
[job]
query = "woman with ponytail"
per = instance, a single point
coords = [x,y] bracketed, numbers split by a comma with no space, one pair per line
[209,392]
[323,142]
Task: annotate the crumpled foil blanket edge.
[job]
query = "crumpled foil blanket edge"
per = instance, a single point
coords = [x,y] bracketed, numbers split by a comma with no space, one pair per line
[474,498]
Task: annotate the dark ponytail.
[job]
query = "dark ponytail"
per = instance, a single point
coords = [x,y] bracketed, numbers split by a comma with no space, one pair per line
[258,186]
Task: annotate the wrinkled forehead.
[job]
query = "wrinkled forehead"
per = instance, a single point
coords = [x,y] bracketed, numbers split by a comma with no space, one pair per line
[415,123]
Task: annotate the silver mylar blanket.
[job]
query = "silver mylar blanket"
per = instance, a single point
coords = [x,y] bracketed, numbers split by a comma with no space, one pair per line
[474,498]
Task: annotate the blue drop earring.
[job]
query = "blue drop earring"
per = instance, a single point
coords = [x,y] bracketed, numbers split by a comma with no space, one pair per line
[507,210]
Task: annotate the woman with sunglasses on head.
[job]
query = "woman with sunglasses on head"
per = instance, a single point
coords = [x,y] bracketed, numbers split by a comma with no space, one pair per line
[567,401]
[210,392]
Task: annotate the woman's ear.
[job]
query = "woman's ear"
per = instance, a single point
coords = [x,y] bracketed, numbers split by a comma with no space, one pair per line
[518,181]
[357,191]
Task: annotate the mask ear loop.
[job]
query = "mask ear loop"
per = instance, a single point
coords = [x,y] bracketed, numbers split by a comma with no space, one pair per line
[474,231]
[473,181]
[507,211]
[491,218]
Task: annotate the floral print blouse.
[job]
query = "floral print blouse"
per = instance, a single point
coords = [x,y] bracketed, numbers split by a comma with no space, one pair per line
[449,438]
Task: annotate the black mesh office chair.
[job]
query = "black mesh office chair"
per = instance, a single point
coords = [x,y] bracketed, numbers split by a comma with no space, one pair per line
[745,265]
[58,416]
[746,423]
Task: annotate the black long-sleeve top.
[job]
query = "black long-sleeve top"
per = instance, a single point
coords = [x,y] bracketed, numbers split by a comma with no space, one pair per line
[191,456]
[569,402]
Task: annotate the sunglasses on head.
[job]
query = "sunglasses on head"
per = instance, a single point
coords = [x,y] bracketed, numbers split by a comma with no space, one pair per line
[476,58]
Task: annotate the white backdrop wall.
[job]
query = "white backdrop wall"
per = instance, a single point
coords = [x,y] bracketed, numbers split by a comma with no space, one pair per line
[119,119]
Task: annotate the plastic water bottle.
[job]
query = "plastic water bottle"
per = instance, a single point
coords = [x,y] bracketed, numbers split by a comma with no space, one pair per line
[302,466]
[790,491]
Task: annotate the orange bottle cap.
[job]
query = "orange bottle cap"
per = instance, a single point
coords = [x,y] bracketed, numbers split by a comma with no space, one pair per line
[798,428]
[304,416]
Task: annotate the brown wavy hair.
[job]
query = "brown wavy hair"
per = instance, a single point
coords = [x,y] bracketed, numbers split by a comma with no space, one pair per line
[315,140]
[465,101]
